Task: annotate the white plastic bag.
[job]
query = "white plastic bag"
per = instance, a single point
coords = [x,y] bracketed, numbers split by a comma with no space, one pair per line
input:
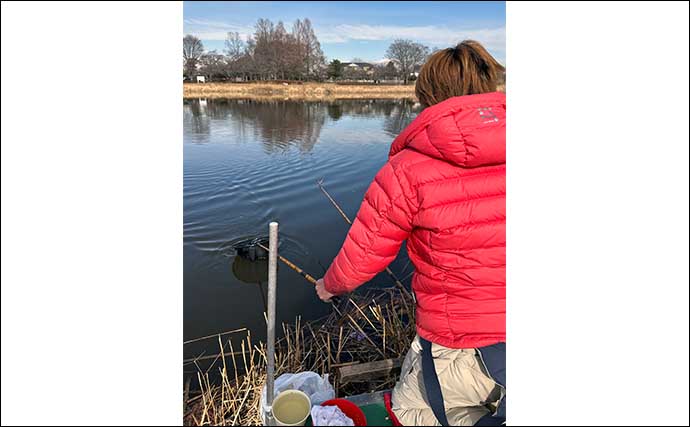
[330,416]
[312,384]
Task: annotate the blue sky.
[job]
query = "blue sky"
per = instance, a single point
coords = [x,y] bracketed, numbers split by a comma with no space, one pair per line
[357,29]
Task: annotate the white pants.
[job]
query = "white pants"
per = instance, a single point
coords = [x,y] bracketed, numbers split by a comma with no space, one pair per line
[468,391]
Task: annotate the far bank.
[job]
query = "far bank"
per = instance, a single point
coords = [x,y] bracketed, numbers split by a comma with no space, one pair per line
[297,90]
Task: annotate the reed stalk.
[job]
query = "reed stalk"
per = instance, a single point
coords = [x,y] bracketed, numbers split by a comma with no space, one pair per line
[376,325]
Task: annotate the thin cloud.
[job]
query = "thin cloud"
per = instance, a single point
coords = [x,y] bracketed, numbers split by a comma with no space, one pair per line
[214,30]
[492,38]
[435,36]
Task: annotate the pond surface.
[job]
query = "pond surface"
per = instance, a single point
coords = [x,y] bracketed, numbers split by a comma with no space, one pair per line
[247,163]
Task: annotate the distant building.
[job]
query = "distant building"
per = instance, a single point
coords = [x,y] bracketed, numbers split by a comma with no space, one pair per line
[359,71]
[415,71]
[358,66]
[376,71]
[386,62]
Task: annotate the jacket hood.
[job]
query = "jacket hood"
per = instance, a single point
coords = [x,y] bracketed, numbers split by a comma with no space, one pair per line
[468,131]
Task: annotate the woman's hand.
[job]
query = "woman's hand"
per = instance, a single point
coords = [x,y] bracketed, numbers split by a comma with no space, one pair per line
[322,292]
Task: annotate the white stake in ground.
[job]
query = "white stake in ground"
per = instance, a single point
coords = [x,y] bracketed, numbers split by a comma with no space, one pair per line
[271,316]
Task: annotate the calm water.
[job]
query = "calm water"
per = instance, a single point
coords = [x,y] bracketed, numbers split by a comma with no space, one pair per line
[247,163]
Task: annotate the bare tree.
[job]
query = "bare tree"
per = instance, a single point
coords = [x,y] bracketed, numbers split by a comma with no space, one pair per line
[408,54]
[247,63]
[274,53]
[273,49]
[213,65]
[234,46]
[385,71]
[391,70]
[314,58]
[263,35]
[192,49]
[280,50]
[236,60]
[299,33]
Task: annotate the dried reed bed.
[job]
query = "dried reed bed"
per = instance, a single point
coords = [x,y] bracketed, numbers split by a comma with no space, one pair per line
[297,91]
[371,326]
[300,91]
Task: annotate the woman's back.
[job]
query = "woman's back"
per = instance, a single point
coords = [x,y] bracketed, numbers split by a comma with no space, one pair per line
[443,189]
[453,157]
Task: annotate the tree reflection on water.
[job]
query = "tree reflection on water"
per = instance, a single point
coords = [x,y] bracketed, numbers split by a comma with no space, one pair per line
[281,125]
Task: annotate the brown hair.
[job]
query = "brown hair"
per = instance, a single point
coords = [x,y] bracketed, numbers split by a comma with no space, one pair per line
[464,70]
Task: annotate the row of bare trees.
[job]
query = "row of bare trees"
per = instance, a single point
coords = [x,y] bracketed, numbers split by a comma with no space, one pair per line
[278,54]
[272,53]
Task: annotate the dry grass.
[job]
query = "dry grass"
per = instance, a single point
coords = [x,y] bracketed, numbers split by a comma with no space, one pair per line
[373,326]
[305,91]
[300,91]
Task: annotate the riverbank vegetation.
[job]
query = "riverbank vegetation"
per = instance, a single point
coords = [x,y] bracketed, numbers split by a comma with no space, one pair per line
[297,90]
[272,52]
[370,326]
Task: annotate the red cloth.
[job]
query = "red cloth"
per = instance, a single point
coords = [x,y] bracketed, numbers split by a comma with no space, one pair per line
[442,189]
[389,409]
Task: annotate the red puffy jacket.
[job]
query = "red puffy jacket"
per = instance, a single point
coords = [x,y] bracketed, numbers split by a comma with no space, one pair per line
[443,188]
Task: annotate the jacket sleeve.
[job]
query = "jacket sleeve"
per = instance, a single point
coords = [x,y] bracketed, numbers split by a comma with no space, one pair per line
[383,222]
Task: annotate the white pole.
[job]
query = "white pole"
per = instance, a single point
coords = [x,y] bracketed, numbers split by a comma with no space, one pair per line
[271,315]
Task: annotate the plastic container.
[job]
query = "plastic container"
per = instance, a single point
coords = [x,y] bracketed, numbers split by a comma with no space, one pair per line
[291,408]
[351,410]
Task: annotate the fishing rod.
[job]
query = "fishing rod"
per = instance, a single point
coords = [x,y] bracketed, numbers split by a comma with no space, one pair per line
[392,275]
[287,262]
[334,300]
